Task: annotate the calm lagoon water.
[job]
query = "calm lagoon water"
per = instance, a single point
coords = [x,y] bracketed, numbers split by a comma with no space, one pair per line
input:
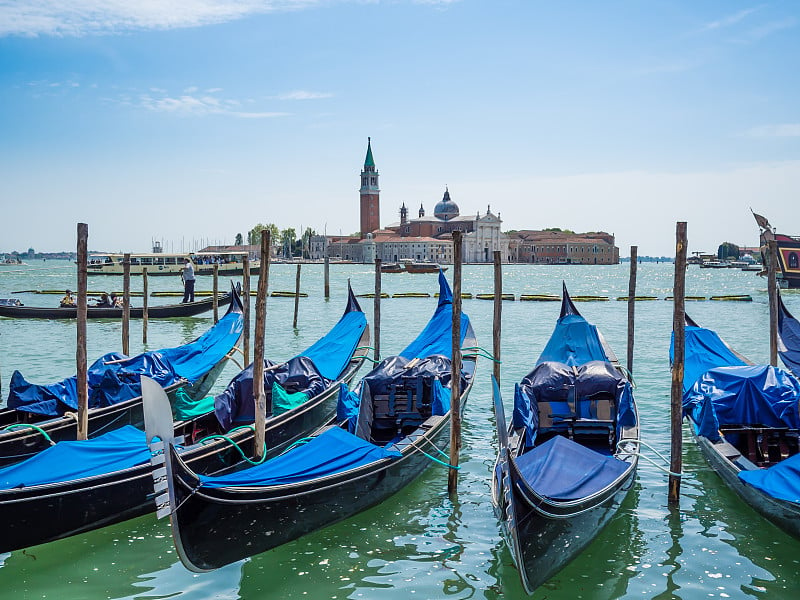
[419,544]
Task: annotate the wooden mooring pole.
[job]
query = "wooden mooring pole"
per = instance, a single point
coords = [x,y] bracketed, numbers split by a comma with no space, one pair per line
[632,305]
[327,273]
[296,296]
[144,305]
[80,351]
[455,370]
[246,309]
[126,304]
[679,351]
[376,317]
[259,395]
[215,292]
[772,293]
[498,312]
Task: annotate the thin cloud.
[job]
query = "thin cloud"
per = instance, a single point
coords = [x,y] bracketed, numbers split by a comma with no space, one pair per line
[87,17]
[731,19]
[188,105]
[303,95]
[766,30]
[775,131]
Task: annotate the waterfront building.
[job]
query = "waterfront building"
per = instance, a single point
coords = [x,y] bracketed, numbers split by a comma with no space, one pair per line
[566,248]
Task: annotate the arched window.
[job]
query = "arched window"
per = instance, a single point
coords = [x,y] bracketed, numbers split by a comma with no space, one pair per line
[793,262]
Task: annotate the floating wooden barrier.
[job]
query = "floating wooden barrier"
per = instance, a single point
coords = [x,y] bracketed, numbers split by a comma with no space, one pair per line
[410,295]
[637,298]
[693,298]
[277,294]
[372,295]
[491,297]
[540,298]
[589,298]
[464,295]
[61,293]
[734,298]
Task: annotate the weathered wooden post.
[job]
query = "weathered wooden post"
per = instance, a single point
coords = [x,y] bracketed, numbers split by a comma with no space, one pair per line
[296,295]
[144,305]
[246,308]
[259,395]
[214,292]
[376,317]
[126,303]
[455,369]
[679,351]
[327,273]
[772,292]
[632,304]
[498,312]
[80,352]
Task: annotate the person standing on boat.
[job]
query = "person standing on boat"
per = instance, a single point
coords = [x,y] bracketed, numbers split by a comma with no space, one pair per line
[187,274]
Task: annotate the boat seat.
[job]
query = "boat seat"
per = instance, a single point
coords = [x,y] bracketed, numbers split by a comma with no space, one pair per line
[407,403]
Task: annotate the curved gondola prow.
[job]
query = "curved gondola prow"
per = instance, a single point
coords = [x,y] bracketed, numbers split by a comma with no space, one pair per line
[160,436]
[235,305]
[688,321]
[567,306]
[352,301]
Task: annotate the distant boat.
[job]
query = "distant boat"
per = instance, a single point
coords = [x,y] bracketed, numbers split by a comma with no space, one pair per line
[392,268]
[160,263]
[788,253]
[422,267]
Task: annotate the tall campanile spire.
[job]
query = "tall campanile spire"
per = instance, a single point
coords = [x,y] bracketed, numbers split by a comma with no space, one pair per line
[370,195]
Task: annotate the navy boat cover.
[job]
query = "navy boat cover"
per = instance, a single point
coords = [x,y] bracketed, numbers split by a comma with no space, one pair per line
[780,481]
[704,350]
[561,469]
[742,395]
[311,372]
[113,383]
[67,461]
[788,339]
[333,451]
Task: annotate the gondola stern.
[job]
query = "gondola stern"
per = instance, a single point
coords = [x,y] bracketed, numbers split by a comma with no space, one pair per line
[352,301]
[567,306]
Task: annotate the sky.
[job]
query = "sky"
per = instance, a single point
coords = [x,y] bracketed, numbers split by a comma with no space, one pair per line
[189,121]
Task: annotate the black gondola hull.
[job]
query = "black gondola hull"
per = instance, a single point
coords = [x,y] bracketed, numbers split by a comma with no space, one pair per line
[220,526]
[167,311]
[786,515]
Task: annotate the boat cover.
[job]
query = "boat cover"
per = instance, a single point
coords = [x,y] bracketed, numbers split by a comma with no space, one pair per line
[235,404]
[742,395]
[332,353]
[113,383]
[333,451]
[788,339]
[437,337]
[574,341]
[781,481]
[704,350]
[67,461]
[561,469]
[570,392]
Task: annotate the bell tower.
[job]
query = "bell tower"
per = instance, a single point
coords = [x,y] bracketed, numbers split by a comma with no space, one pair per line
[370,195]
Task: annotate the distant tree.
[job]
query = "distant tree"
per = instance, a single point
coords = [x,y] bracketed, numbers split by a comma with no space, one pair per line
[727,251]
[558,229]
[254,235]
[288,237]
[304,243]
[238,241]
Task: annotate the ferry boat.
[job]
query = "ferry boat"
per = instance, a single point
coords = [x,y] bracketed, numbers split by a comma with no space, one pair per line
[161,263]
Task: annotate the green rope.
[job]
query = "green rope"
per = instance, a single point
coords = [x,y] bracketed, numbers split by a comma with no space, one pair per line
[436,460]
[483,353]
[365,357]
[23,425]
[296,443]
[235,445]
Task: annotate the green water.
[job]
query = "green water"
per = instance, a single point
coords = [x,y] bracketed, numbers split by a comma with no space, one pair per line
[419,544]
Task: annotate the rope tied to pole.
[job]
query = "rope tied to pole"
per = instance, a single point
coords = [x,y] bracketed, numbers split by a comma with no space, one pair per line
[17,426]
[625,452]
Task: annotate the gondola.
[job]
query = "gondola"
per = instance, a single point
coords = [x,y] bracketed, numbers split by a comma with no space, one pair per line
[569,456]
[36,416]
[745,420]
[385,433]
[166,311]
[75,487]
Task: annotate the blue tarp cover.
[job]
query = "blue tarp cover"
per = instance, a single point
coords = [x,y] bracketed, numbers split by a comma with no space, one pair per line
[704,350]
[66,461]
[780,481]
[564,470]
[436,338]
[574,341]
[113,383]
[333,451]
[332,353]
[742,395]
[789,336]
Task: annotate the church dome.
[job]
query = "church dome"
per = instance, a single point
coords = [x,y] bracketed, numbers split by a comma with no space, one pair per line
[446,209]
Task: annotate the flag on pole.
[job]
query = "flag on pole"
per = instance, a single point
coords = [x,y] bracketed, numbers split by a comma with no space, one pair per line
[762,221]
